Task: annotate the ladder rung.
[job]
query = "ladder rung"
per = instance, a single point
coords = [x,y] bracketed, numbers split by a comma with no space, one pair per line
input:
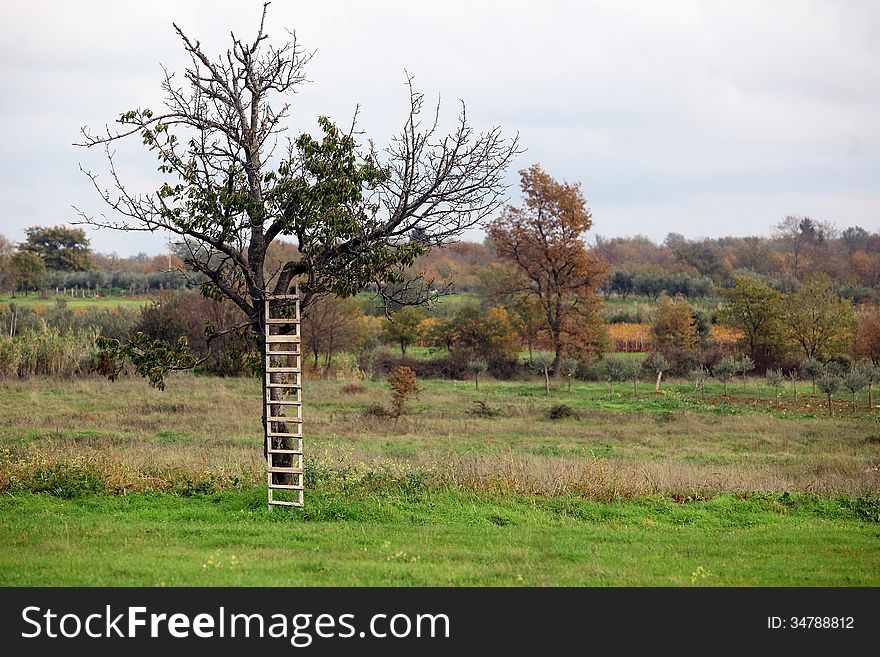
[282,338]
[293,419]
[286,486]
[285,503]
[276,434]
[283,402]
[287,297]
[284,385]
[280,370]
[284,353]
[285,451]
[281,320]
[283,469]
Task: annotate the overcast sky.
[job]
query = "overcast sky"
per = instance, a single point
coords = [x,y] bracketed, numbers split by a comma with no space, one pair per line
[703,118]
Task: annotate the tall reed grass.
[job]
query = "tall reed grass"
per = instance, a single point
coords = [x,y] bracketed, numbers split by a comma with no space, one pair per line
[47,351]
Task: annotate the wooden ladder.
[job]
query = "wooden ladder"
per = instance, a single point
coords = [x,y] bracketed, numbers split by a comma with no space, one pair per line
[282,396]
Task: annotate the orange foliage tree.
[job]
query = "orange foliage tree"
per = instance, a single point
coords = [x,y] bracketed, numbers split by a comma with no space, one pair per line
[544,240]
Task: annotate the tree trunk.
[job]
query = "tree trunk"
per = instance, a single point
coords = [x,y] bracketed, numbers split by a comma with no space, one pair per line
[546,381]
[830,411]
[557,360]
[657,385]
[476,381]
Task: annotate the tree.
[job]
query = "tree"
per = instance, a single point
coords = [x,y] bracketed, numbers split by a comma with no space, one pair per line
[568,367]
[544,239]
[613,368]
[621,283]
[475,334]
[794,376]
[477,367]
[634,374]
[854,380]
[813,368]
[698,376]
[658,363]
[543,362]
[528,320]
[674,325]
[775,379]
[227,193]
[404,387]
[799,232]
[59,247]
[404,327]
[829,383]
[725,369]
[754,309]
[330,325]
[27,271]
[7,280]
[867,342]
[819,323]
[872,377]
[744,365]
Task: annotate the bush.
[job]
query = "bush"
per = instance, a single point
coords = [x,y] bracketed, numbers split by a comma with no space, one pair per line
[353,389]
[404,387]
[561,412]
[483,409]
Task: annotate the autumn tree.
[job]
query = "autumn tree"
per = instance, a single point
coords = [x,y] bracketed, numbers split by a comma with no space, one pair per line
[61,248]
[404,387]
[404,327]
[867,342]
[543,238]
[755,310]
[819,324]
[230,185]
[674,324]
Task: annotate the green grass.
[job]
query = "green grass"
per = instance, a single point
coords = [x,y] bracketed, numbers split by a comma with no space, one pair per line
[433,539]
[37,303]
[164,487]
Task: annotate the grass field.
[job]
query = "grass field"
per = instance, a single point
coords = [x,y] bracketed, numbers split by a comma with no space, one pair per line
[166,487]
[37,303]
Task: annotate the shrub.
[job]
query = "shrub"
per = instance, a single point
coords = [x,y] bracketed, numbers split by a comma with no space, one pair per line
[481,408]
[353,389]
[561,412]
[404,387]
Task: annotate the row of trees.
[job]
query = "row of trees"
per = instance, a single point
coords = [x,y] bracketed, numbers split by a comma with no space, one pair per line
[811,323]
[800,247]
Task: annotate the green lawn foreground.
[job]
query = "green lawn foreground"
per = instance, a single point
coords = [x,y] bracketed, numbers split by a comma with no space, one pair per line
[436,538]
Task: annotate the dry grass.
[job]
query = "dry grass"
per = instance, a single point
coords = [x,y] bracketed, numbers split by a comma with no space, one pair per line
[130,437]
